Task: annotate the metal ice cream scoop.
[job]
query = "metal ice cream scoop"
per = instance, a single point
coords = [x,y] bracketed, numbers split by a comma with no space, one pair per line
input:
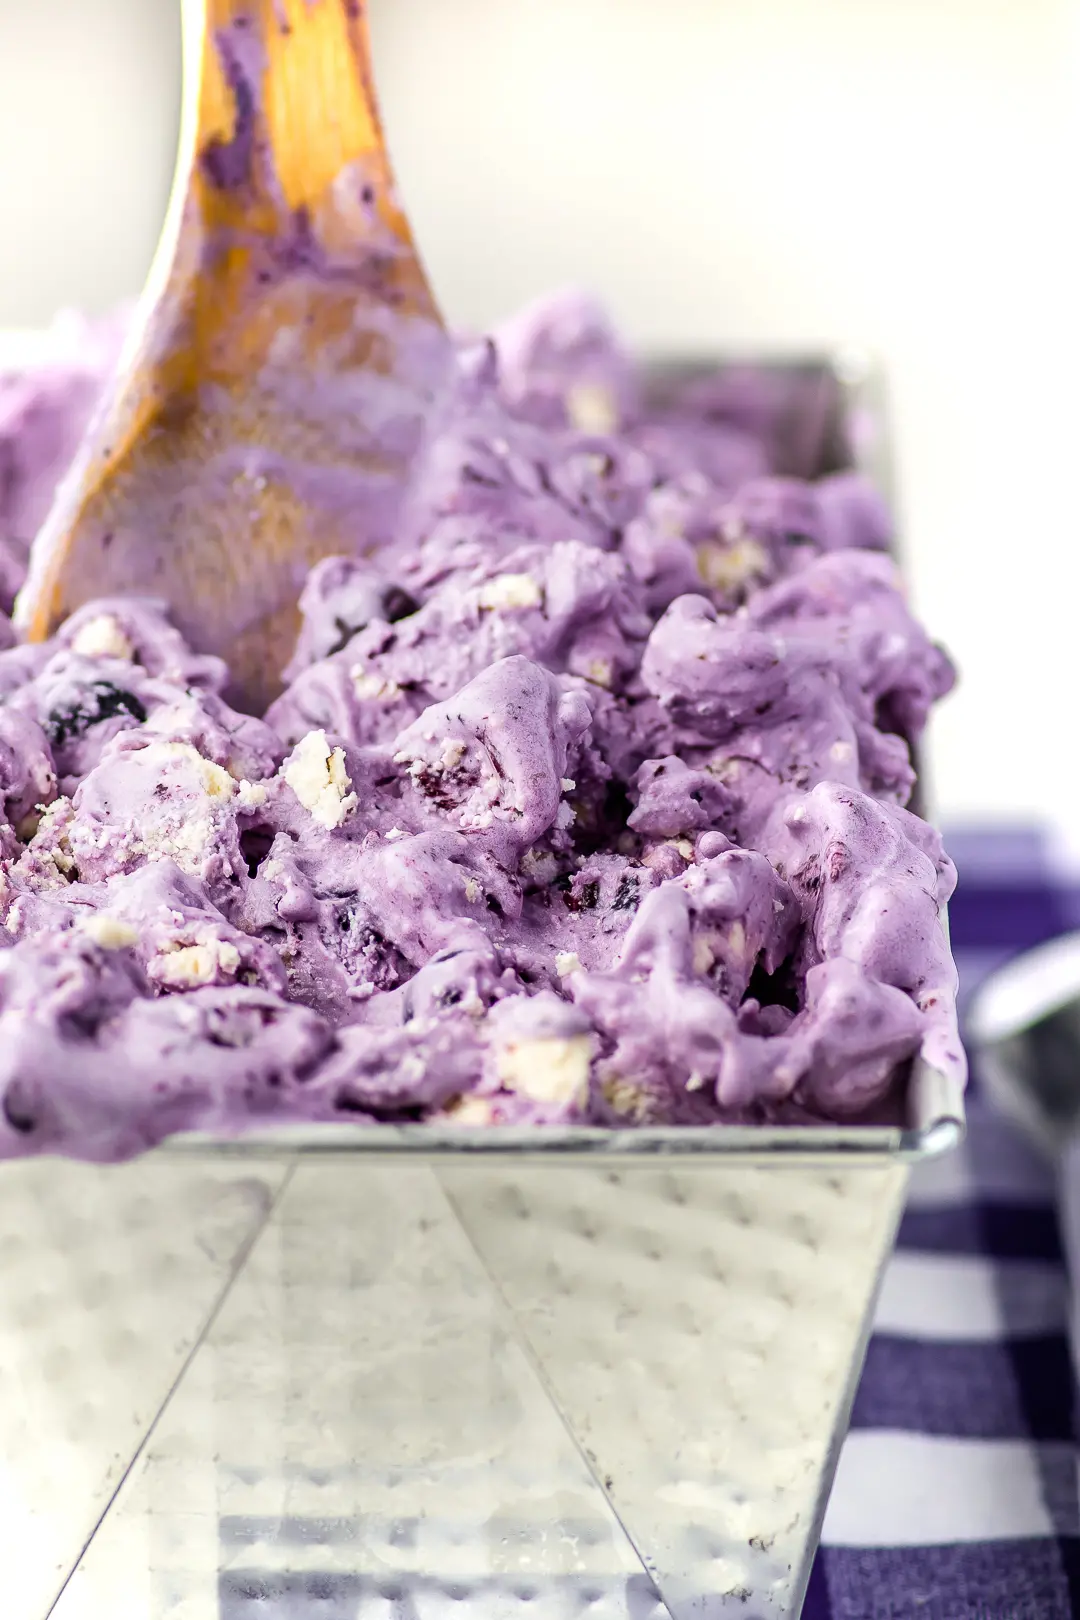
[1023,1027]
[271,396]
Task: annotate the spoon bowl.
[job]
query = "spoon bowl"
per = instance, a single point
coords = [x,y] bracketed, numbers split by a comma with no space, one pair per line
[273,392]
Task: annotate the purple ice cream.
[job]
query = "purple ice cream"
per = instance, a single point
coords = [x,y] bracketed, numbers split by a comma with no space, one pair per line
[584,801]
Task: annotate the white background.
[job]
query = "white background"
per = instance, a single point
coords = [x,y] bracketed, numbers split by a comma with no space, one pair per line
[901,174]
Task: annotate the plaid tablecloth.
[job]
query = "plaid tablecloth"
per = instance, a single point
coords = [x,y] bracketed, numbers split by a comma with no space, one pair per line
[956,1495]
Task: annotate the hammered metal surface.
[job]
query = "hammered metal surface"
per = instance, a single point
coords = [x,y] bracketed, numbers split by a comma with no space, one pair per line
[360,1434]
[700,1332]
[433,1394]
[107,1278]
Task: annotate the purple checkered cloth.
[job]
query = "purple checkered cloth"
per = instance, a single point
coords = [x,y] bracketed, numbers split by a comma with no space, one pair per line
[956,1494]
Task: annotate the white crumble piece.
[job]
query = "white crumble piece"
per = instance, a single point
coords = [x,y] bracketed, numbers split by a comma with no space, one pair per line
[540,865]
[592,409]
[469,1110]
[600,672]
[842,752]
[182,967]
[452,755]
[548,1070]
[215,778]
[725,567]
[695,1082]
[565,816]
[181,829]
[395,832]
[685,848]
[111,933]
[566,963]
[102,637]
[472,891]
[629,1098]
[316,773]
[567,784]
[375,688]
[508,591]
[250,795]
[51,839]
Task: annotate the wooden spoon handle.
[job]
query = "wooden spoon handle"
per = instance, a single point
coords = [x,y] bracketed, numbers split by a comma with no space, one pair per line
[286,350]
[286,108]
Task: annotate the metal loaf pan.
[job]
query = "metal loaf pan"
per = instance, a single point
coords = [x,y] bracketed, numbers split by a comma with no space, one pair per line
[394,1373]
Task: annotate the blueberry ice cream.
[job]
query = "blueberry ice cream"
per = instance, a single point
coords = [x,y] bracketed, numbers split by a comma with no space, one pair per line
[584,802]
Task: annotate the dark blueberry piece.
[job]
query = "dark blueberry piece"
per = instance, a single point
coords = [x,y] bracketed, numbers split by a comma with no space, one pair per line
[586,897]
[349,1104]
[101,701]
[398,604]
[628,893]
[17,1111]
[810,876]
[345,633]
[837,857]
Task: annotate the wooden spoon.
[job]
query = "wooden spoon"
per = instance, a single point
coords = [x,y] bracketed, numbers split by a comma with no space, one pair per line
[272,394]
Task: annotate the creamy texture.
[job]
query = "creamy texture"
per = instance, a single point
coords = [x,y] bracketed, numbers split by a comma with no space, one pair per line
[584,802]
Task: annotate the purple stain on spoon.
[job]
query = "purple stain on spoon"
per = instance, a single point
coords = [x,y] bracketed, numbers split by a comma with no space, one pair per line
[230,165]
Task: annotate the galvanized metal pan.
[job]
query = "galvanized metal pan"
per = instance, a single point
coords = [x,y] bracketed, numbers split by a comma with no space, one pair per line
[390,1373]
